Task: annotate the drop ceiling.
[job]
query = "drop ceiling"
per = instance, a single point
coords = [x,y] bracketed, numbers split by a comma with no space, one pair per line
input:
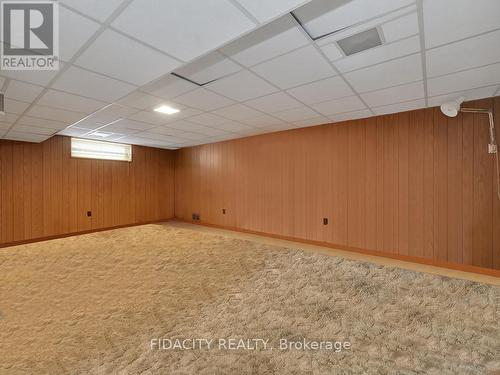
[246,67]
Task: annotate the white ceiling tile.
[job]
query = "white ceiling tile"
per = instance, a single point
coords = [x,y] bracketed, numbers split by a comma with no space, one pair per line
[127,126]
[92,85]
[274,39]
[470,79]
[105,136]
[262,121]
[25,137]
[97,9]
[391,73]
[185,29]
[275,128]
[165,130]
[15,106]
[141,100]
[116,110]
[75,31]
[150,117]
[379,54]
[168,87]
[237,112]
[321,91]
[37,77]
[203,99]
[117,56]
[33,130]
[349,104]
[450,20]
[232,126]
[208,131]
[75,103]
[242,86]
[322,17]
[401,27]
[372,23]
[295,68]
[105,116]
[22,91]
[208,119]
[400,107]
[73,131]
[403,93]
[466,54]
[355,115]
[332,51]
[297,114]
[41,123]
[484,92]
[265,10]
[187,126]
[50,113]
[9,118]
[91,122]
[274,103]
[321,120]
[208,68]
[3,128]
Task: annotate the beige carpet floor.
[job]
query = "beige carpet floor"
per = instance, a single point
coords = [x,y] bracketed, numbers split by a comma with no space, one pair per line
[92,304]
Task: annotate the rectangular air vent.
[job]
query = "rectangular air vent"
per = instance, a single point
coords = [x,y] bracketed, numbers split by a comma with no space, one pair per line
[2,104]
[360,42]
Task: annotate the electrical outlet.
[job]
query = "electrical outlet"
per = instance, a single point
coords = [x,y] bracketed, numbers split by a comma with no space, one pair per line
[89,213]
[325,221]
[492,148]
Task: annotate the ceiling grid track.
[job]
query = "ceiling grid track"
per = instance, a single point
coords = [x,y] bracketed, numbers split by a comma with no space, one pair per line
[67,65]
[420,13]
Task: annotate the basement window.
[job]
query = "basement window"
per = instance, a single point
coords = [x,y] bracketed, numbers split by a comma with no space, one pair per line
[89,149]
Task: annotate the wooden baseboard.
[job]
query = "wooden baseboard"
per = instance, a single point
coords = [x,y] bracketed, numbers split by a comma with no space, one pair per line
[64,235]
[406,258]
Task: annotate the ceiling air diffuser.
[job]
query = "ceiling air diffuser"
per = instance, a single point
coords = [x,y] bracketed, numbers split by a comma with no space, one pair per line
[360,42]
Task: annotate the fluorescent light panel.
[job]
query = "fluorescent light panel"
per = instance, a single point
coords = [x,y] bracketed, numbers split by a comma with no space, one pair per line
[167,110]
[89,149]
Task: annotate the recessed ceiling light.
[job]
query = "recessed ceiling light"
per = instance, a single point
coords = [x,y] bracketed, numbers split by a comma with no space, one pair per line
[101,134]
[167,110]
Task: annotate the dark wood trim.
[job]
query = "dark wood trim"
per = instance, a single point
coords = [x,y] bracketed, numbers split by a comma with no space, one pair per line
[405,258]
[64,235]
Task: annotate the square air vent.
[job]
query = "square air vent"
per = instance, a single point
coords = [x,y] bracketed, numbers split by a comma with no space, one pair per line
[2,104]
[360,42]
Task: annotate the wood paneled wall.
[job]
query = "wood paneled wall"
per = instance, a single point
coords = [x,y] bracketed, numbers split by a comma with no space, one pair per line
[414,183]
[45,192]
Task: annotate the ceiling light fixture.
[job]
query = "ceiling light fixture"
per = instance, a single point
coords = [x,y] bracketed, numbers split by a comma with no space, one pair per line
[167,110]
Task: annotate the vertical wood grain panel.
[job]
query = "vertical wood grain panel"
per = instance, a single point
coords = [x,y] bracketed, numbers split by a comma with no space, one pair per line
[18,192]
[44,192]
[391,179]
[454,193]
[416,151]
[467,187]
[27,190]
[403,183]
[440,185]
[371,184]
[412,183]
[496,200]
[483,195]
[7,194]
